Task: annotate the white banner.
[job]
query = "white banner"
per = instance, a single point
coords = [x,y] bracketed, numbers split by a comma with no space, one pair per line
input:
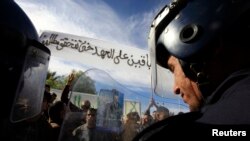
[126,64]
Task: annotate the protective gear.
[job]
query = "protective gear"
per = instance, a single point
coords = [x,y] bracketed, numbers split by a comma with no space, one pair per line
[182,31]
[24,64]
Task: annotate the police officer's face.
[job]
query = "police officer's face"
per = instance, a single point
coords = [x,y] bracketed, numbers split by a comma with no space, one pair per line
[184,86]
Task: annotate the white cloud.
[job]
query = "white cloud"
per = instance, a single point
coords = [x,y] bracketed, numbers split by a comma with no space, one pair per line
[139,26]
[93,19]
[63,68]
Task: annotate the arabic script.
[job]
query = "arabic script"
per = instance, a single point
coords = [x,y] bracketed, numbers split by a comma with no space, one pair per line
[83,46]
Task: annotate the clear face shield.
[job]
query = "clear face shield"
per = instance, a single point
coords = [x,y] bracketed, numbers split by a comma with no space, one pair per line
[161,78]
[30,91]
[27,67]
[106,96]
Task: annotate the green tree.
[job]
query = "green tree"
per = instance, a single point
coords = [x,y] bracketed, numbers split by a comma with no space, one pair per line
[55,81]
[83,83]
[51,79]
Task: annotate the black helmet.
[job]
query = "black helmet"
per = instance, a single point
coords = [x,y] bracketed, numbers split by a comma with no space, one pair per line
[187,28]
[24,63]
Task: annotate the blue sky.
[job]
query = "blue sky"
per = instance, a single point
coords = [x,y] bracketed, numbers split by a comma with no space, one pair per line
[126,8]
[125,22]
[120,21]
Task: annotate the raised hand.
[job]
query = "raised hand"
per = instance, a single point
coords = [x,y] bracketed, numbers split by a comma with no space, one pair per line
[70,79]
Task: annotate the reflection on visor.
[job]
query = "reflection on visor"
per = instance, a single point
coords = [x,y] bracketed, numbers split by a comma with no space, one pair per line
[117,110]
[164,85]
[30,90]
[22,109]
[106,96]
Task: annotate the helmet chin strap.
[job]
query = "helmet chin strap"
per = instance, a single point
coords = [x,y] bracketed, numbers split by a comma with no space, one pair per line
[195,72]
[201,80]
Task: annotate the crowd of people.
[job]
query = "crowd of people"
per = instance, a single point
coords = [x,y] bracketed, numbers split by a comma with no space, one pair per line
[72,123]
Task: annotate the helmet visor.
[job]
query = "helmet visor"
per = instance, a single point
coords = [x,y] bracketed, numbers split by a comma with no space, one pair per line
[161,78]
[30,89]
